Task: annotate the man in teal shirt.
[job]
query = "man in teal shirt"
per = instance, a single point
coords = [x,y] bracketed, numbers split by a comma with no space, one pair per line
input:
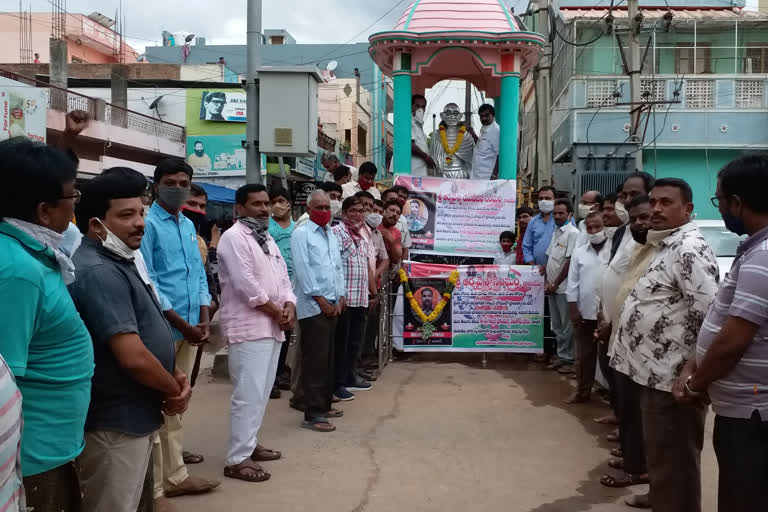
[42,336]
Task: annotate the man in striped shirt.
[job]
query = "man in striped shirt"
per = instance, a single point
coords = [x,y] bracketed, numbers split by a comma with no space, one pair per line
[11,486]
[732,349]
[351,327]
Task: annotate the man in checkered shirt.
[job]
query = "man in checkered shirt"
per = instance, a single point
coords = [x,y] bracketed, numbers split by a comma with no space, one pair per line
[350,330]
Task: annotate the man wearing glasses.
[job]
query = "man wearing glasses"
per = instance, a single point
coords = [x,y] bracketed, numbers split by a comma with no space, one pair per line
[42,338]
[213,105]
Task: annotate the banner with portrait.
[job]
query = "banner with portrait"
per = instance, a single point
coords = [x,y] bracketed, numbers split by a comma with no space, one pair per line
[458,217]
[493,308]
[223,106]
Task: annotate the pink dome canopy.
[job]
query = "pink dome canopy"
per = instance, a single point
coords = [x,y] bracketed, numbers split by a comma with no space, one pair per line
[440,15]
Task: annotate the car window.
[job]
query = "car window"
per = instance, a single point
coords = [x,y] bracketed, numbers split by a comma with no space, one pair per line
[723,242]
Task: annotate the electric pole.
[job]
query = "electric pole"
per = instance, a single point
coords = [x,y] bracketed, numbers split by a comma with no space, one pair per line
[635,26]
[543,101]
[252,155]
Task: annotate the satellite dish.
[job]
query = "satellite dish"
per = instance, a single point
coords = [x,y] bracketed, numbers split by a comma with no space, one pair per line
[189,38]
[332,65]
[156,103]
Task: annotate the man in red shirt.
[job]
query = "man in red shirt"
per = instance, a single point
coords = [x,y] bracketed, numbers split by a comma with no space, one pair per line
[391,235]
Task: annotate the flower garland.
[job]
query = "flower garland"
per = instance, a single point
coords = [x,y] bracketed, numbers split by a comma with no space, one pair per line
[428,328]
[452,150]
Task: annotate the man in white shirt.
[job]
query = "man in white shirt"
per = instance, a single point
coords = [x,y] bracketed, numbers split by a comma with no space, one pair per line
[584,278]
[366,180]
[485,159]
[560,250]
[331,163]
[421,161]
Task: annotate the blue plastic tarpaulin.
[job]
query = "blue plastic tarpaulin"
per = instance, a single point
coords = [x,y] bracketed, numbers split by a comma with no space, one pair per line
[217,193]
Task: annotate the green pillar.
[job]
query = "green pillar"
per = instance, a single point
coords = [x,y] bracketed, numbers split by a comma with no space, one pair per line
[497,108]
[510,94]
[402,114]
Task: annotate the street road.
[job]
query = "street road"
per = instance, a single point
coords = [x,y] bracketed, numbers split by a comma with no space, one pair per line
[435,434]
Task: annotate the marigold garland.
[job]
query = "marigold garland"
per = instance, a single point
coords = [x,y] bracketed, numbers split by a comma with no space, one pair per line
[452,150]
[428,328]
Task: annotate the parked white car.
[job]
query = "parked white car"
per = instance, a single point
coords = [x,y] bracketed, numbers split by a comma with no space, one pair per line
[723,242]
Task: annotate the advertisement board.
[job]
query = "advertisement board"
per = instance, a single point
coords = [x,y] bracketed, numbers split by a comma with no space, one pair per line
[23,111]
[216,155]
[458,217]
[493,308]
[223,106]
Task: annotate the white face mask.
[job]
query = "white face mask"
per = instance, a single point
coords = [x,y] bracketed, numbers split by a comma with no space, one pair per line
[373,220]
[609,232]
[335,208]
[596,238]
[419,115]
[547,205]
[116,246]
[622,213]
[584,210]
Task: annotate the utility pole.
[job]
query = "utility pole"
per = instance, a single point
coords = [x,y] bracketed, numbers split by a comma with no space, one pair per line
[635,26]
[468,103]
[543,101]
[252,155]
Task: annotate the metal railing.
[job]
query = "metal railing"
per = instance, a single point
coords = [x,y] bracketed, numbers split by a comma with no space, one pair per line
[65,100]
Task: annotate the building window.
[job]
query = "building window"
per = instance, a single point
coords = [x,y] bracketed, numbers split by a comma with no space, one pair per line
[600,93]
[278,39]
[684,59]
[362,141]
[756,58]
[749,93]
[348,138]
[699,93]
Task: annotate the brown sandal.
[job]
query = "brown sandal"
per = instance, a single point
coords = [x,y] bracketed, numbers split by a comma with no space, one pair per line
[261,454]
[616,463]
[248,471]
[617,452]
[624,481]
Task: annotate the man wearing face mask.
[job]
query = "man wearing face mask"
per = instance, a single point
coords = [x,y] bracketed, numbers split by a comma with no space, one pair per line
[584,276]
[421,160]
[366,181]
[731,354]
[538,234]
[173,259]
[378,260]
[320,300]
[657,330]
[257,307]
[334,191]
[135,379]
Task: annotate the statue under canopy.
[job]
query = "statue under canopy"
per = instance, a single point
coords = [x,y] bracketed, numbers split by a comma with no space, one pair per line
[452,146]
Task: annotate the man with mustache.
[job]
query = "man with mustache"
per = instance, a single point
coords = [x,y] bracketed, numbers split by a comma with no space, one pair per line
[135,379]
[657,331]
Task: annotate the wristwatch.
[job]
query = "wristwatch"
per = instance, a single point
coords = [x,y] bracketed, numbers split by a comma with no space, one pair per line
[688,387]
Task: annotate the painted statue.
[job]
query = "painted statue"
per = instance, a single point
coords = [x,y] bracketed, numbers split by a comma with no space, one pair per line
[452,146]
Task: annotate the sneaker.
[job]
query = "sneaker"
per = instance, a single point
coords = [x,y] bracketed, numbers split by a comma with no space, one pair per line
[360,385]
[343,395]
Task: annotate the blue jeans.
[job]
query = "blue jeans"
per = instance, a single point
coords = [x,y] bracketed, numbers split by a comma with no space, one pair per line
[560,320]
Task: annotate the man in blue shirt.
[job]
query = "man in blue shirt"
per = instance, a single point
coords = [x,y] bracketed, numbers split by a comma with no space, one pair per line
[320,299]
[540,229]
[42,338]
[173,260]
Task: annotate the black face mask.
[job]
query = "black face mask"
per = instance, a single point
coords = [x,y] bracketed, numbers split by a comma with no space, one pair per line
[640,236]
[199,220]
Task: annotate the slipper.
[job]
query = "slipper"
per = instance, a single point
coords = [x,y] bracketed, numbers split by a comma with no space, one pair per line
[261,454]
[334,413]
[607,420]
[191,458]
[626,480]
[248,471]
[616,463]
[612,437]
[616,452]
[318,425]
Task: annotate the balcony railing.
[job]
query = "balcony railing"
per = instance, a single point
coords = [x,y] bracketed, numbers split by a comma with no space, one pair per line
[65,100]
[727,92]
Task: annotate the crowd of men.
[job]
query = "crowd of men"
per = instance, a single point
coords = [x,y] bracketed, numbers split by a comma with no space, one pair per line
[634,290]
[105,319]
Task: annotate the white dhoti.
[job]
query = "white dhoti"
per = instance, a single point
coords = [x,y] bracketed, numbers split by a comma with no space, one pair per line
[252,369]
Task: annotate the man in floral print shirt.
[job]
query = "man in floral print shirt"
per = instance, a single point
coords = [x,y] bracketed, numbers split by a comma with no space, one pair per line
[658,328]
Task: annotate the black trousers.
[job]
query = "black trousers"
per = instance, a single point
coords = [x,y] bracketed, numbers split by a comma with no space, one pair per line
[349,343]
[674,437]
[318,339]
[56,490]
[605,367]
[282,356]
[586,356]
[741,446]
[628,394]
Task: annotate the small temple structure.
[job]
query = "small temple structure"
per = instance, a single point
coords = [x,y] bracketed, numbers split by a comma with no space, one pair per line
[476,40]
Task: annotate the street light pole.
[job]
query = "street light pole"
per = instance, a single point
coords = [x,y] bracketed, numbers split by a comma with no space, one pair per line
[635,24]
[252,156]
